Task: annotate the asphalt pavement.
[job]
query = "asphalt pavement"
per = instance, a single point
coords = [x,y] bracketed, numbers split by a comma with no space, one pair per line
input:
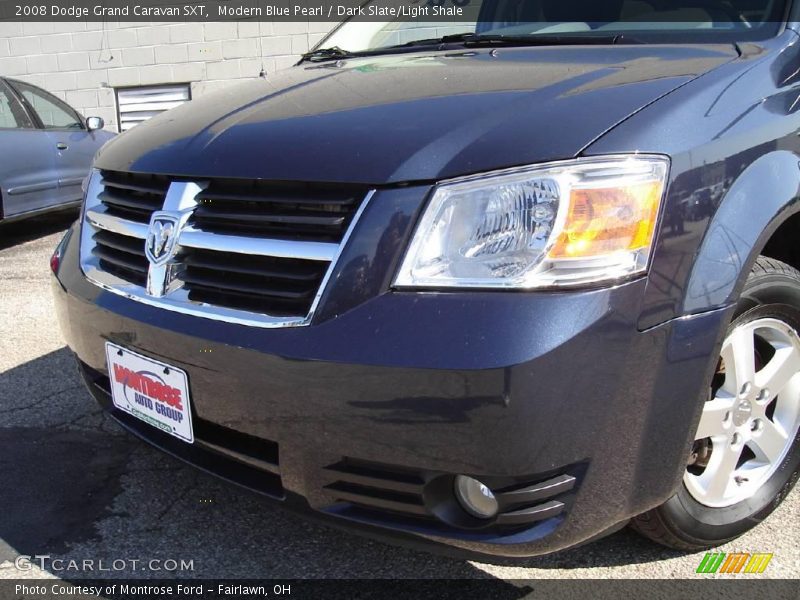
[74,486]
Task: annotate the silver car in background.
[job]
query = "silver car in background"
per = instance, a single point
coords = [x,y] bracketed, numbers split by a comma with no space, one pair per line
[46,149]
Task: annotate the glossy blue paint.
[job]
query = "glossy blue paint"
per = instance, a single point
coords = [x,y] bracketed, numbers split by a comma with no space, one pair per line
[761,198]
[416,117]
[491,383]
[433,382]
[732,135]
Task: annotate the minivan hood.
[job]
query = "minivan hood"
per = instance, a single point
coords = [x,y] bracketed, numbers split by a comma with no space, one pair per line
[411,117]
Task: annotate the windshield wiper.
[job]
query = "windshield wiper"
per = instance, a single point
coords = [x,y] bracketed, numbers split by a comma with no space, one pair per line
[473,40]
[332,53]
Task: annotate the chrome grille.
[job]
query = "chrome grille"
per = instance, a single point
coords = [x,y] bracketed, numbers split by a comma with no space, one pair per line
[133,197]
[121,255]
[246,252]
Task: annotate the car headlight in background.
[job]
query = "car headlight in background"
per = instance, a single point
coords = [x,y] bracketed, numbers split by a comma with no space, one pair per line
[558,224]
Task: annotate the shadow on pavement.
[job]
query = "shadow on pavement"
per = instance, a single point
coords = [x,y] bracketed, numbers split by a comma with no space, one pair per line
[18,232]
[76,487]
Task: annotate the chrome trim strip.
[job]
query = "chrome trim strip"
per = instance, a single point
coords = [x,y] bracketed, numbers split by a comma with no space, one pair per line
[335,259]
[32,187]
[102,220]
[70,182]
[192,237]
[181,196]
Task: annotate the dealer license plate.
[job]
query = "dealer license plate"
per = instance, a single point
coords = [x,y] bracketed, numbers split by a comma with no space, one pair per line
[150,390]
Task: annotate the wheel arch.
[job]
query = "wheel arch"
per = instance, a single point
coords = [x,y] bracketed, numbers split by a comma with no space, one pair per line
[757,215]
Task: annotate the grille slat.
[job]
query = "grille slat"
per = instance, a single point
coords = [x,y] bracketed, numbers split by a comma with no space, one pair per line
[254,195]
[130,214]
[363,475]
[256,303]
[140,181]
[379,499]
[262,266]
[132,196]
[316,226]
[254,248]
[121,255]
[268,228]
[132,203]
[120,242]
[313,220]
[536,492]
[378,487]
[533,514]
[302,212]
[122,259]
[222,281]
[134,187]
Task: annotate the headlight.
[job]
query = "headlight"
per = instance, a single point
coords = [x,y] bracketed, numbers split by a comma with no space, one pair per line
[567,223]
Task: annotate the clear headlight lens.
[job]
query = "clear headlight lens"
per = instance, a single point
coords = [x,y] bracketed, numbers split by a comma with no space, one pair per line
[566,223]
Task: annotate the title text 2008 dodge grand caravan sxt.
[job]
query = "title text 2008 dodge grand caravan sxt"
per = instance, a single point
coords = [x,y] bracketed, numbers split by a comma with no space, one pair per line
[499,292]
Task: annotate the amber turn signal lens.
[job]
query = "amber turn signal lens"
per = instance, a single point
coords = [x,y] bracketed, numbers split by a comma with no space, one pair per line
[602,221]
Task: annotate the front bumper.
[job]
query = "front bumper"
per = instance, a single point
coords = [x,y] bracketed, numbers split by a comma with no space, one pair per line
[406,389]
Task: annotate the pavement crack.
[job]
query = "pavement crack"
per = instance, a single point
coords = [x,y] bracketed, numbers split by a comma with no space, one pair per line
[37,403]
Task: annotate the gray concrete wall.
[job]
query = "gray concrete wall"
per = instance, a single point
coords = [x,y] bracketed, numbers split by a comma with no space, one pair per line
[83,63]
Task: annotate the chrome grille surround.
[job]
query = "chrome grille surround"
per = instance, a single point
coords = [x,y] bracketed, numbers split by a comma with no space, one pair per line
[164,288]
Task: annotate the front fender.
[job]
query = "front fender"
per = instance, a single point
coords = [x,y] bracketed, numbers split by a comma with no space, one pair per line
[762,197]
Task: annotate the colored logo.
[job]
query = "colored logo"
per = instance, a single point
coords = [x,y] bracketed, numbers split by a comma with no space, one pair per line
[736,562]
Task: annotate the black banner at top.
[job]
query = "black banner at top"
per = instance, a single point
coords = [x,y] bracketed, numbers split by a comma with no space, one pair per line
[421,11]
[224,10]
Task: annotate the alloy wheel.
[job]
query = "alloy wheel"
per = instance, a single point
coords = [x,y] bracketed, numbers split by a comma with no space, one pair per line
[752,417]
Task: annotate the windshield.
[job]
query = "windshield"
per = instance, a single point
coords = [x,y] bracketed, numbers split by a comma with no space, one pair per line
[690,21]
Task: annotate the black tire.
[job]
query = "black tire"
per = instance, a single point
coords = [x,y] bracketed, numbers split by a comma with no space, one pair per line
[772,290]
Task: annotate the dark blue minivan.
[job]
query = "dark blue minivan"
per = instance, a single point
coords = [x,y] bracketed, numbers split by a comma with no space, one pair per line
[496,286]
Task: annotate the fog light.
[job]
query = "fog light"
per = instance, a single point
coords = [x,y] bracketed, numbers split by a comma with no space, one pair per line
[477,499]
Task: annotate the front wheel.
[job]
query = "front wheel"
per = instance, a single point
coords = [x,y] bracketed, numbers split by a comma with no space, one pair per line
[746,454]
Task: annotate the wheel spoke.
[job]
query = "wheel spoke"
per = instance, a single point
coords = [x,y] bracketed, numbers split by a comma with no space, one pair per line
[787,408]
[770,443]
[784,365]
[713,417]
[739,358]
[718,475]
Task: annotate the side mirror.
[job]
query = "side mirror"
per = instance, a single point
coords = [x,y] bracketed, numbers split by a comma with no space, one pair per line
[93,123]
